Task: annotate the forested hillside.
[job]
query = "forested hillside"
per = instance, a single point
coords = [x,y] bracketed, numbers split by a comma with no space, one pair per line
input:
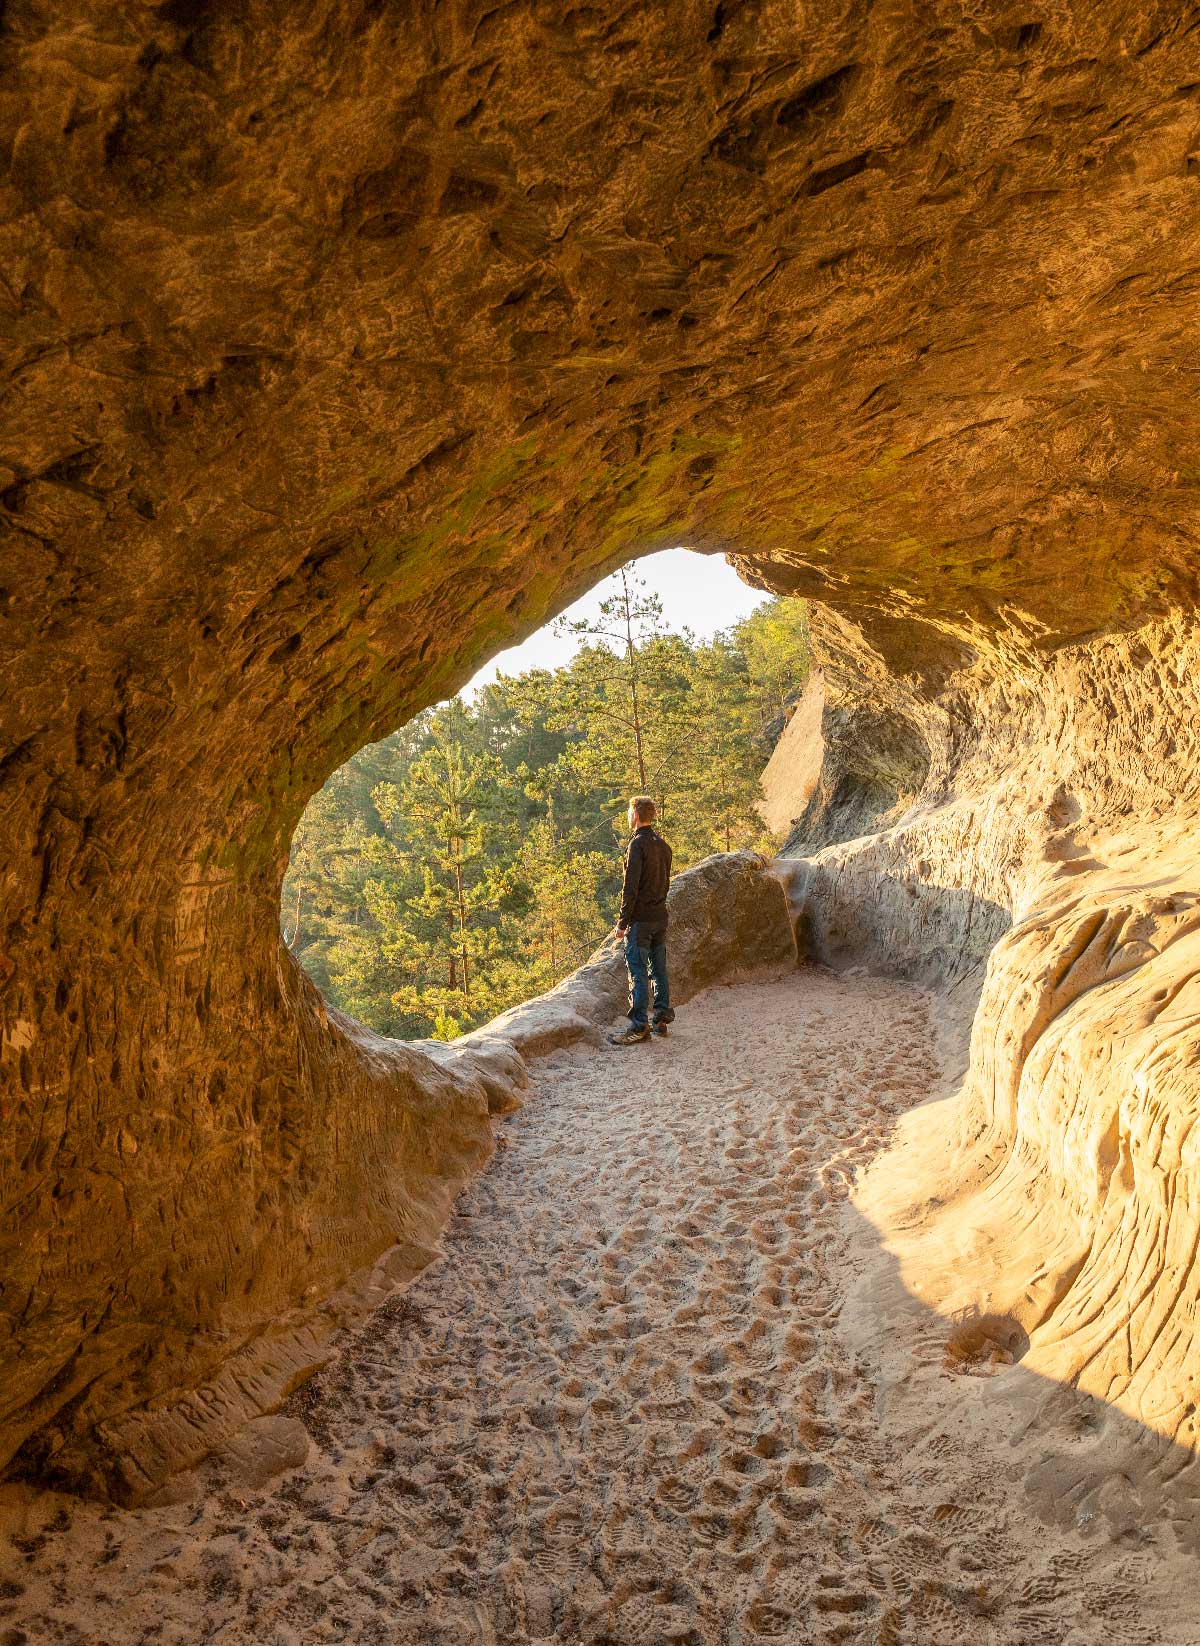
[473,858]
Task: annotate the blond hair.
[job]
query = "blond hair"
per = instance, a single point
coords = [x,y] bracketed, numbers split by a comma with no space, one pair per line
[643,808]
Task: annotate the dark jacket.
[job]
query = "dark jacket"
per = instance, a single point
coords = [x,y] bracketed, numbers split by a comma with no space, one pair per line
[647,876]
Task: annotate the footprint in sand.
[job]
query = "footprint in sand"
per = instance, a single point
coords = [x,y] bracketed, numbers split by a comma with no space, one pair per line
[622,1411]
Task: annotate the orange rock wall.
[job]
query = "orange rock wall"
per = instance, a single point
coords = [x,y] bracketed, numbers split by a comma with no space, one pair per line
[346,345]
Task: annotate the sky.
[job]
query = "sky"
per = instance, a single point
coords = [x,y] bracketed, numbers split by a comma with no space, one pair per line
[698,592]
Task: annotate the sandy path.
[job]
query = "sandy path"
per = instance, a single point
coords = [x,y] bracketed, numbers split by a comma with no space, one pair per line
[621,1410]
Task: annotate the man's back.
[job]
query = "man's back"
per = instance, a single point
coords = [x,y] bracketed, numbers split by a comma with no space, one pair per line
[647,878]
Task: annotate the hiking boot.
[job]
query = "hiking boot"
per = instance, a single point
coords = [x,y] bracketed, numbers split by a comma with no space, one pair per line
[629,1036]
[661,1026]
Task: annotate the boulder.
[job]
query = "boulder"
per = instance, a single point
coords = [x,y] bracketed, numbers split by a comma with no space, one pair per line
[727,916]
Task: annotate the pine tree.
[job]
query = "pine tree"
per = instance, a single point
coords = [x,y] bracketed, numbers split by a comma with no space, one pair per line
[620,703]
[609,674]
[572,895]
[446,932]
[775,642]
[719,764]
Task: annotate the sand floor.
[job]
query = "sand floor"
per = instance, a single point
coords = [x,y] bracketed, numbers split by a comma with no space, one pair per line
[622,1409]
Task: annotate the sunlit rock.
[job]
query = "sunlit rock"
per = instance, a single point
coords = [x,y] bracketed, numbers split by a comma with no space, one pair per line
[347,345]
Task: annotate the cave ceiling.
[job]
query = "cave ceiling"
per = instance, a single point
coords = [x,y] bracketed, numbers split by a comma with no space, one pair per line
[347,344]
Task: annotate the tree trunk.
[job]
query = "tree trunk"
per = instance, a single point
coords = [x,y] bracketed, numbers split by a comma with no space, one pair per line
[462,923]
[631,657]
[293,942]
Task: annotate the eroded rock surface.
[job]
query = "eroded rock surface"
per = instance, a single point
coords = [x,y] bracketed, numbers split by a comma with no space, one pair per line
[793,772]
[349,343]
[1047,870]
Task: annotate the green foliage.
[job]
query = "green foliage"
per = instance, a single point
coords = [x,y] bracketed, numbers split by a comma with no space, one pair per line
[774,642]
[473,858]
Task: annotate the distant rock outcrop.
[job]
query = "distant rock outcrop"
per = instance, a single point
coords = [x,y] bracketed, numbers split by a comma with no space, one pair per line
[794,769]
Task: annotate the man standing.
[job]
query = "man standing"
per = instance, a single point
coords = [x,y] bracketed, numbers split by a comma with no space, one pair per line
[643,923]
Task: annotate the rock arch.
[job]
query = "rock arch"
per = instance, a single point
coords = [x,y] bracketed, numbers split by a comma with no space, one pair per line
[348,348]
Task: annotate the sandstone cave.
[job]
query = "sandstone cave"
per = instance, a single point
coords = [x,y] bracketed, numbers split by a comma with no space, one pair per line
[347,346]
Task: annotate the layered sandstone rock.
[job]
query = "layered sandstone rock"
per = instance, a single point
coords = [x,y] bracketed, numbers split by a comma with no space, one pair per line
[793,772]
[1046,879]
[350,343]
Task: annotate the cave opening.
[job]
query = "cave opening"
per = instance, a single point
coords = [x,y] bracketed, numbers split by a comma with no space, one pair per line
[471,859]
[349,343]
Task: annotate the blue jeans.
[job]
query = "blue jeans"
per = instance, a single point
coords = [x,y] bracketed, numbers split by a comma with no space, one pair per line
[646,952]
